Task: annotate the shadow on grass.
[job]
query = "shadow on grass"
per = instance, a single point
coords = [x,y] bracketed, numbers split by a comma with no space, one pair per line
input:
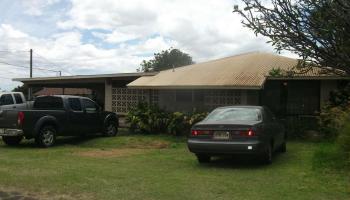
[60,141]
[241,162]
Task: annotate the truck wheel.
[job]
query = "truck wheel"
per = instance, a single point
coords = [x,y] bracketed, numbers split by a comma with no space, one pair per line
[12,140]
[202,158]
[267,155]
[46,137]
[111,129]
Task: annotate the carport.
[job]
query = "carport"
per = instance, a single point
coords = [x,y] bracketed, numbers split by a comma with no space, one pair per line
[101,84]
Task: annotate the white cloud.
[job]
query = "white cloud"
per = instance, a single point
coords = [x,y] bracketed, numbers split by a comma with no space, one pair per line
[36,7]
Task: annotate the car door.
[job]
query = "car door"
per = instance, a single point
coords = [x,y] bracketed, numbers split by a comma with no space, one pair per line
[7,102]
[91,115]
[76,117]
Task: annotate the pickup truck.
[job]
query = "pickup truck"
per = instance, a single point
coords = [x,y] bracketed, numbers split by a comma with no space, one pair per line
[58,115]
[13,101]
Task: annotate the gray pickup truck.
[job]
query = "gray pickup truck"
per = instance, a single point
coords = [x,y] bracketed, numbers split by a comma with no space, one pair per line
[52,116]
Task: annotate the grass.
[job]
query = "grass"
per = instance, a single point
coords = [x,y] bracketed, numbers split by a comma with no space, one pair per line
[160,167]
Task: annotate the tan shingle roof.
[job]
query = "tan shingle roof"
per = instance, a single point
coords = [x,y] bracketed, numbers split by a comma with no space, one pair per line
[245,71]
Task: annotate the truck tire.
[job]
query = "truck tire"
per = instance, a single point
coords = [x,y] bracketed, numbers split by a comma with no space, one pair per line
[202,158]
[110,129]
[46,137]
[12,140]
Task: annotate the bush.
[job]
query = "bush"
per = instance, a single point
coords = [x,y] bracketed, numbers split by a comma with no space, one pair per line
[332,119]
[147,118]
[152,119]
[343,140]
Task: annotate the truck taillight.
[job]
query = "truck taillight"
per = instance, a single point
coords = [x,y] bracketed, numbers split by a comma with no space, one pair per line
[248,133]
[200,132]
[20,118]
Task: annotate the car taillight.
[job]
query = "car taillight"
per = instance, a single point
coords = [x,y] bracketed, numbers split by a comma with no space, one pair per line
[248,133]
[200,132]
[20,118]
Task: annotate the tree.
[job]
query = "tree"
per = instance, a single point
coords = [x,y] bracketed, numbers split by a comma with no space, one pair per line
[316,30]
[166,60]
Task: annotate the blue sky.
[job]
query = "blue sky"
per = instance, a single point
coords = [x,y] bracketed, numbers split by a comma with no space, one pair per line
[111,36]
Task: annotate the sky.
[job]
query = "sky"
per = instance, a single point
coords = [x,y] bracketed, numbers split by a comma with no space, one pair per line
[80,37]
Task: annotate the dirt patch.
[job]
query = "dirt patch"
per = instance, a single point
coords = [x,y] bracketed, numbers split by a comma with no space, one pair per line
[150,145]
[127,150]
[110,153]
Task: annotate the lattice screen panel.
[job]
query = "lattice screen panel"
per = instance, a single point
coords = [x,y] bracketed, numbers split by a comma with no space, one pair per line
[123,98]
[215,98]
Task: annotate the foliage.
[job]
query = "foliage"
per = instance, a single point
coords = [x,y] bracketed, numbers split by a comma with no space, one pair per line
[166,59]
[343,140]
[276,72]
[147,118]
[152,119]
[332,119]
[340,97]
[318,31]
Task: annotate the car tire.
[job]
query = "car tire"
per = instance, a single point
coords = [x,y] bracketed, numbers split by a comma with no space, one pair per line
[46,137]
[202,158]
[283,147]
[111,129]
[267,156]
[12,140]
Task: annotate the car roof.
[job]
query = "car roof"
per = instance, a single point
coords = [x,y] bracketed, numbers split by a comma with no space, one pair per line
[62,96]
[245,106]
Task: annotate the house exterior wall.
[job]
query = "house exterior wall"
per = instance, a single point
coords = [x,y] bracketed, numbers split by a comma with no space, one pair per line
[108,96]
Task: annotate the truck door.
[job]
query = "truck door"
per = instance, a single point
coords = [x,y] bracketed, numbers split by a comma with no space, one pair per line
[92,116]
[76,117]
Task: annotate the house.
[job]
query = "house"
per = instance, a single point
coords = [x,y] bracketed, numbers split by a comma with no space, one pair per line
[237,80]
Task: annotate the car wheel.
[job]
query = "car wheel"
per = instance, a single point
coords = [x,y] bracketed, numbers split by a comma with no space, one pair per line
[283,147]
[46,137]
[111,129]
[203,158]
[12,140]
[267,156]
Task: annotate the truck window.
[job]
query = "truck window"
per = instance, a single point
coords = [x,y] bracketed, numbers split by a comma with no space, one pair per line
[48,103]
[6,99]
[74,104]
[18,98]
[90,106]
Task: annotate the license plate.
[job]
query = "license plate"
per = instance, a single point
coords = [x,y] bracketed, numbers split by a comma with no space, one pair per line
[221,135]
[2,131]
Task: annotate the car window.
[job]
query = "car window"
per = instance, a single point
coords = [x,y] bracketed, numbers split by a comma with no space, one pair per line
[6,99]
[75,104]
[48,103]
[18,98]
[234,114]
[89,105]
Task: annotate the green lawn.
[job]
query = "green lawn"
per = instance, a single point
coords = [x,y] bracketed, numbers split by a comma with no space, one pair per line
[160,167]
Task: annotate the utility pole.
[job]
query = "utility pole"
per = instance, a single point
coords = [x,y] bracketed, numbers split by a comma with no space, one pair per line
[31,73]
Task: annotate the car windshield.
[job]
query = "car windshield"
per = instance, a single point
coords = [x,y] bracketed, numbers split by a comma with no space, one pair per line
[234,114]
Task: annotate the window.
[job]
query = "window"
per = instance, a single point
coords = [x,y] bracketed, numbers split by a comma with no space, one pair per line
[74,104]
[90,106]
[48,103]
[184,96]
[18,98]
[234,114]
[6,99]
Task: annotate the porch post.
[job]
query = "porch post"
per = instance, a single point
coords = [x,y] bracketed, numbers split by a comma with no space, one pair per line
[108,95]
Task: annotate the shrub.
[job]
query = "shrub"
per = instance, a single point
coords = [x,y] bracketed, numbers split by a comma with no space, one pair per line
[152,119]
[332,119]
[343,140]
[147,118]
